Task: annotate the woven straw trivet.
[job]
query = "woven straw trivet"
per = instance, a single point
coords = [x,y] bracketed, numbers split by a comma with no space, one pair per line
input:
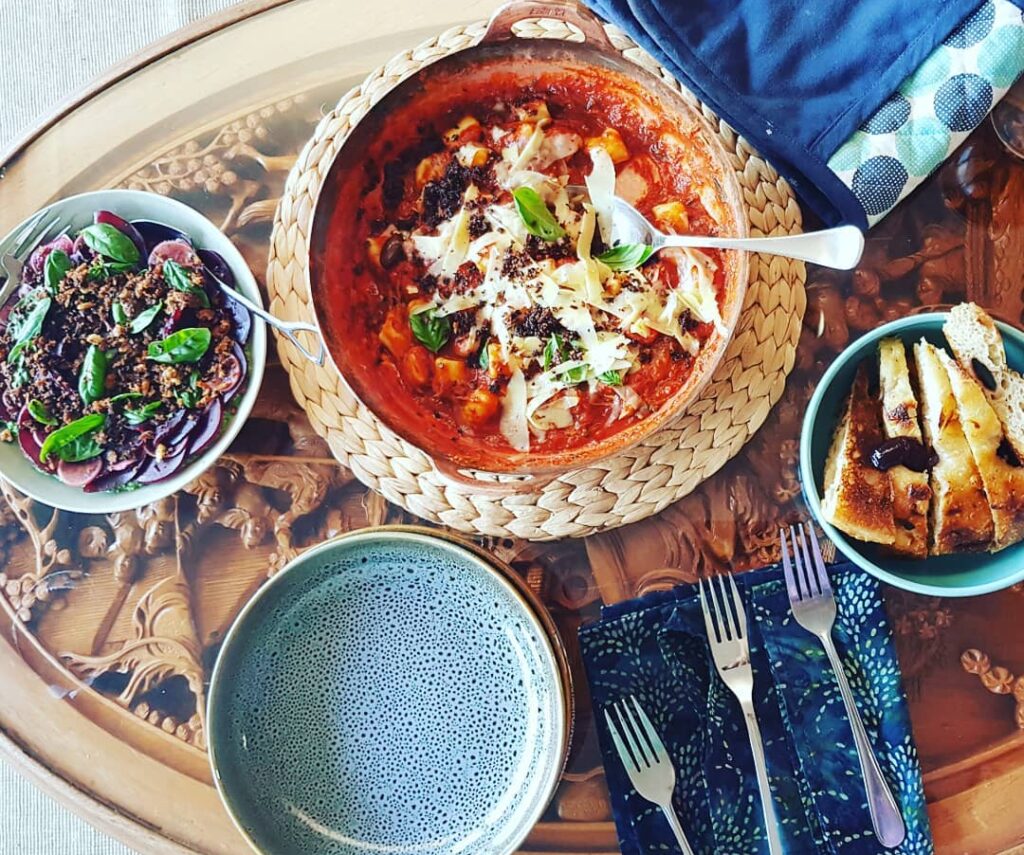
[626,488]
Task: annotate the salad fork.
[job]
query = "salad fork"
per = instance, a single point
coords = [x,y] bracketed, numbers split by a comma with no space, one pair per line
[814,607]
[646,761]
[16,248]
[727,633]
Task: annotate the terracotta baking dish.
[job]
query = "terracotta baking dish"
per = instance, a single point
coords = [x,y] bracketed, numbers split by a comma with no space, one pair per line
[435,91]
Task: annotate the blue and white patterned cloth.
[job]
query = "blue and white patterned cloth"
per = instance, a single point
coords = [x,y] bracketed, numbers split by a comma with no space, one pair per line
[656,649]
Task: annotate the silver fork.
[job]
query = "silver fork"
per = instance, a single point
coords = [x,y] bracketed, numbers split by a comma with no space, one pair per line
[730,648]
[646,761]
[814,607]
[16,249]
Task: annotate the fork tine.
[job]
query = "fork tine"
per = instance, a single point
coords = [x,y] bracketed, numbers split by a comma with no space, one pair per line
[657,746]
[741,614]
[646,749]
[34,236]
[801,569]
[625,755]
[635,748]
[787,569]
[819,564]
[725,613]
[709,621]
[813,587]
[24,230]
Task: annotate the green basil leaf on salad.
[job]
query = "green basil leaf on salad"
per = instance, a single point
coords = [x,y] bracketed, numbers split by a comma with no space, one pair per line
[82,448]
[142,414]
[104,270]
[119,315]
[107,241]
[430,330]
[535,214]
[626,256]
[142,321]
[64,436]
[37,409]
[177,277]
[26,324]
[58,263]
[124,396]
[92,378]
[187,345]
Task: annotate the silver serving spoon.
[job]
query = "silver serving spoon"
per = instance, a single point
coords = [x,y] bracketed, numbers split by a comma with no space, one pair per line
[839,248]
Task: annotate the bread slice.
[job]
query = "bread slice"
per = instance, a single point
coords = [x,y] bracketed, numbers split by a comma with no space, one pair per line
[1004,483]
[973,335]
[858,497]
[961,518]
[911,494]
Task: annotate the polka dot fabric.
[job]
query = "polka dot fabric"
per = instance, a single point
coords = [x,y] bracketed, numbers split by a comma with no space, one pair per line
[391,696]
[934,109]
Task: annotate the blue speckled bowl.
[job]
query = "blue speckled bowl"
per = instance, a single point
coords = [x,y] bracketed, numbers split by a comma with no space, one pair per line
[389,691]
[961,575]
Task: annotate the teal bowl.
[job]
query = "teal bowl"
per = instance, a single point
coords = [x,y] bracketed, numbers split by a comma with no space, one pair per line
[394,691]
[962,575]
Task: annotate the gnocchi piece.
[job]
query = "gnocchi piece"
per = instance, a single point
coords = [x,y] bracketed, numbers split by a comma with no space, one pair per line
[611,141]
[416,366]
[480,407]
[395,334]
[449,373]
[672,217]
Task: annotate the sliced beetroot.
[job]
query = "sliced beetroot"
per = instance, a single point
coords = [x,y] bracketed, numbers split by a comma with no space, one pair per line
[117,475]
[219,270]
[181,437]
[232,377]
[240,317]
[81,252]
[156,470]
[30,447]
[238,352]
[207,428]
[216,265]
[155,233]
[123,226]
[79,474]
[167,428]
[33,270]
[173,250]
[179,318]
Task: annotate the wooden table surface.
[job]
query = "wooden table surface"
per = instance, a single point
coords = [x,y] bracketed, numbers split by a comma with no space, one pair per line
[111,623]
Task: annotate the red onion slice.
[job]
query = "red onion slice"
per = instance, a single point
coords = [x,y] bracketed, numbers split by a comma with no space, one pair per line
[79,474]
[173,250]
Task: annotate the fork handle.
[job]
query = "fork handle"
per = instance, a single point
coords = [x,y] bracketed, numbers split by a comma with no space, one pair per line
[677,829]
[771,822]
[886,818]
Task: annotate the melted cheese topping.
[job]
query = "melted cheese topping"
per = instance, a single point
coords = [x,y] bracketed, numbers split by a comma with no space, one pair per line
[600,308]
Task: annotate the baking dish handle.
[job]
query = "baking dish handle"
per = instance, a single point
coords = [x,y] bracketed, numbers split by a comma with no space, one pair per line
[464,479]
[499,28]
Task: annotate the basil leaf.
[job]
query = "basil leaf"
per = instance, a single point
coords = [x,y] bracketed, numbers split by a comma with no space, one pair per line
[22,328]
[107,241]
[626,256]
[37,409]
[103,270]
[430,330]
[83,448]
[575,375]
[551,350]
[92,377]
[145,318]
[69,433]
[612,378]
[58,263]
[535,215]
[177,277]
[124,396]
[21,375]
[142,414]
[187,345]
[119,315]
[484,360]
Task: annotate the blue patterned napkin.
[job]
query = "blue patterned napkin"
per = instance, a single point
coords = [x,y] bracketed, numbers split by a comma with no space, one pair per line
[656,648]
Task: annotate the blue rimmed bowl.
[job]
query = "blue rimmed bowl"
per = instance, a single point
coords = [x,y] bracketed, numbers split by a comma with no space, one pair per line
[392,690]
[962,575]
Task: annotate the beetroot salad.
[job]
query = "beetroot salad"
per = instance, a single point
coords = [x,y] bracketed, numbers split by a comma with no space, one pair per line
[119,354]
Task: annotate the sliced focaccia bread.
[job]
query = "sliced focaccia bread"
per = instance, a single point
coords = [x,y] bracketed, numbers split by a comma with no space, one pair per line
[961,518]
[911,494]
[975,338]
[858,497]
[1004,483]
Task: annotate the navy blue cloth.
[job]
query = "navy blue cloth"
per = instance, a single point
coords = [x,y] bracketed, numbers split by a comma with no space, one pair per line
[656,649]
[796,77]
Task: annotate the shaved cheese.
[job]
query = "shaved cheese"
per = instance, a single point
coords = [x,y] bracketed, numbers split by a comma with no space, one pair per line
[514,426]
[553,413]
[531,148]
[430,247]
[601,186]
[458,245]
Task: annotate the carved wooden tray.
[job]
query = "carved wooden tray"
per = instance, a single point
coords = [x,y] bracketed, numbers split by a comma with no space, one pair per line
[108,626]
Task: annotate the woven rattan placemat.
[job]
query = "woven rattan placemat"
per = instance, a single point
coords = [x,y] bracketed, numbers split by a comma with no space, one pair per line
[623,489]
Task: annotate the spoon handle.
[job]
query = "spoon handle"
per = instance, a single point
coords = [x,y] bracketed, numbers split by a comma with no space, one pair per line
[839,248]
[286,328]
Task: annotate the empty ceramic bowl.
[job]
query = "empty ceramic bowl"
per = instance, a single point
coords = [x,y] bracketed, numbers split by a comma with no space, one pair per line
[389,691]
[960,575]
